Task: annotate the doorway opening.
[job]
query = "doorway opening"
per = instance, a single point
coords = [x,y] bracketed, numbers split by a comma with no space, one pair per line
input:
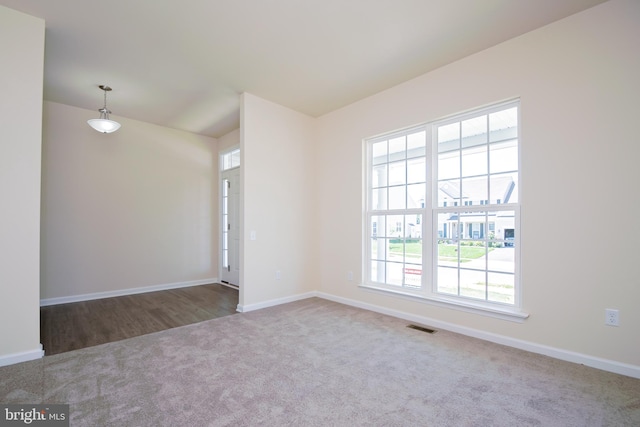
[230,217]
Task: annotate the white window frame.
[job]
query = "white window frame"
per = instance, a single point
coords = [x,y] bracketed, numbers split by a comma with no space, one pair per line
[229,159]
[429,224]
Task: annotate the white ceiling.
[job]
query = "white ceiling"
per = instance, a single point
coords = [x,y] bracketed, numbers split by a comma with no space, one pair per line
[183,63]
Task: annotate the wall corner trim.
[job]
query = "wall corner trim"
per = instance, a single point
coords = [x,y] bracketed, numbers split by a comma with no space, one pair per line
[557,353]
[25,356]
[123,292]
[273,302]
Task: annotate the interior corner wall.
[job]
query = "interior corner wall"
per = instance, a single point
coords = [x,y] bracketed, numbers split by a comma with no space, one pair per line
[578,83]
[21,82]
[231,139]
[132,209]
[278,202]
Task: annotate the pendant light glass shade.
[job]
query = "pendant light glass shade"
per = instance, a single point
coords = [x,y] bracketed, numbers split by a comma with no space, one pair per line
[104,124]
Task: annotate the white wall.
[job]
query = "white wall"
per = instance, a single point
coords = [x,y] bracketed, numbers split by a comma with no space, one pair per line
[278,186]
[131,209]
[229,140]
[135,208]
[578,84]
[21,75]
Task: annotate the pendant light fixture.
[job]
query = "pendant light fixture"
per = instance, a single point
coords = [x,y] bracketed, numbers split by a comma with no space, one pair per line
[104,124]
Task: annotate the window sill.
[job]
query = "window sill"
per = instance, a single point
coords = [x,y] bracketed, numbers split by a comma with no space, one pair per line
[498,312]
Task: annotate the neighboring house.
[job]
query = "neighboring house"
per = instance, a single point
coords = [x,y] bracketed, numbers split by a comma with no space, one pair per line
[476,225]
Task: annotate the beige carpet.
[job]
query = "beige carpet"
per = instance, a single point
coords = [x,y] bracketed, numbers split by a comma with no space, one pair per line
[319,363]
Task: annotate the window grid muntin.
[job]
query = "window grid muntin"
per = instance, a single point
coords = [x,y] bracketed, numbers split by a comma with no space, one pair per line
[493,138]
[388,154]
[486,206]
[230,159]
[461,238]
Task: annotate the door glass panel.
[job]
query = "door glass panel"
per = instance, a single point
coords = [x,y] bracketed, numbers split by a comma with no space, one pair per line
[229,207]
[225,216]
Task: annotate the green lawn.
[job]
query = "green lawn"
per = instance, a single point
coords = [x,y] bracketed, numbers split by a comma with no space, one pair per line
[445,252]
[411,248]
[466,252]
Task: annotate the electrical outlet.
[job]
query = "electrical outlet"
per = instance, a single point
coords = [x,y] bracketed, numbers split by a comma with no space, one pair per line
[611,317]
[350,276]
[278,275]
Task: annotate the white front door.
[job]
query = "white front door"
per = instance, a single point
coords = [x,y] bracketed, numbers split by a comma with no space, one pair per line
[230,226]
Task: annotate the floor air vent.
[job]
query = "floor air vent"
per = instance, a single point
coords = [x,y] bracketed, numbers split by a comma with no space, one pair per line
[422,328]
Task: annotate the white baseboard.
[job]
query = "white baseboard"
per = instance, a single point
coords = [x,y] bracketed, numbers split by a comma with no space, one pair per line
[122,292]
[557,353]
[25,356]
[274,302]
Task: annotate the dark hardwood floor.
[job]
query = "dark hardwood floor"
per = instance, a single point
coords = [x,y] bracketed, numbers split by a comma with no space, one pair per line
[67,327]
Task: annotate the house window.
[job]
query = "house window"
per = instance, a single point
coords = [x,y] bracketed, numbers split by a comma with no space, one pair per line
[397,189]
[230,160]
[442,209]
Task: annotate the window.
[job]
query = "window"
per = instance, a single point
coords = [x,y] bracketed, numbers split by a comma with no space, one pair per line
[230,160]
[398,188]
[442,210]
